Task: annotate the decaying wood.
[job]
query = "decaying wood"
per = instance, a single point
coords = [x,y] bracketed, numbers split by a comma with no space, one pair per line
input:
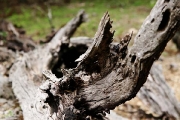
[106,75]
[5,85]
[14,38]
[176,39]
[105,78]
[7,58]
[155,100]
[81,40]
[9,28]
[158,96]
[26,72]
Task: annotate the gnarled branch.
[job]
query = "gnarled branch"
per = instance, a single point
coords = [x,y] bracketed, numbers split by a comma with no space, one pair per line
[104,77]
[26,72]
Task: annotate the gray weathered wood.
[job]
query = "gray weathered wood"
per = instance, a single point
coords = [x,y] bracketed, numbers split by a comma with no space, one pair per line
[15,38]
[26,72]
[176,39]
[7,58]
[155,100]
[158,96]
[105,78]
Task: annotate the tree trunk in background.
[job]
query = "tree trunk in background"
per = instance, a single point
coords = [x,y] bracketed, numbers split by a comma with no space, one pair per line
[176,39]
[158,96]
[155,100]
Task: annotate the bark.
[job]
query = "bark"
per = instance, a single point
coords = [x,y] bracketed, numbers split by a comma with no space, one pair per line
[105,78]
[14,37]
[158,96]
[7,59]
[176,39]
[155,100]
[26,72]
[5,85]
[106,75]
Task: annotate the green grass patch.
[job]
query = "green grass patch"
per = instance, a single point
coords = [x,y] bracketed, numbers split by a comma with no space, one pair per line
[125,14]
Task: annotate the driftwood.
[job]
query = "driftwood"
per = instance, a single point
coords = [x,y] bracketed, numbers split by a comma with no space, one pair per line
[158,96]
[155,100]
[26,72]
[7,58]
[155,93]
[106,74]
[5,85]
[14,38]
[105,78]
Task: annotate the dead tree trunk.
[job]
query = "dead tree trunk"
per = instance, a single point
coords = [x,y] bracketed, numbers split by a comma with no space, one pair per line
[16,39]
[158,96]
[105,78]
[26,72]
[155,100]
[106,75]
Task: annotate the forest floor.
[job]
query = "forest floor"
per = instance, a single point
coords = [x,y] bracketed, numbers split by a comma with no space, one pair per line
[126,18]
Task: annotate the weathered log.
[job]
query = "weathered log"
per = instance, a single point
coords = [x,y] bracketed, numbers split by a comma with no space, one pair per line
[26,72]
[105,78]
[14,38]
[155,100]
[76,47]
[155,93]
[7,58]
[158,96]
[9,28]
[20,44]
[81,40]
[176,39]
[6,90]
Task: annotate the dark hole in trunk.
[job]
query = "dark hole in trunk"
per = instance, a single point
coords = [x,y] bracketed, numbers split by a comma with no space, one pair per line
[165,20]
[67,57]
